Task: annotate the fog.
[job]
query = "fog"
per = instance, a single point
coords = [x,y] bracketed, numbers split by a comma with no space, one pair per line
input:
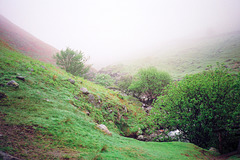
[112,30]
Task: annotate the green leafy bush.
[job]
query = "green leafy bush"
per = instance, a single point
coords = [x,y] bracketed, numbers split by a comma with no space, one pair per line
[72,61]
[104,80]
[124,83]
[205,107]
[150,82]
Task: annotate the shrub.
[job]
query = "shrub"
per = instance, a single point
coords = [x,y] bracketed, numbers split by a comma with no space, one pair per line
[205,107]
[104,80]
[150,82]
[124,83]
[72,61]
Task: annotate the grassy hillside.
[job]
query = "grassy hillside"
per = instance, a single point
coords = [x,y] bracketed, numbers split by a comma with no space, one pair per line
[187,57]
[48,117]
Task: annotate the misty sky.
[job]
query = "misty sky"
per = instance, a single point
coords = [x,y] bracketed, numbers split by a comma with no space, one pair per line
[109,30]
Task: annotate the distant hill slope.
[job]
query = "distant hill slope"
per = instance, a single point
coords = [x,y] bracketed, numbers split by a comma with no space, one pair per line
[25,42]
[187,57]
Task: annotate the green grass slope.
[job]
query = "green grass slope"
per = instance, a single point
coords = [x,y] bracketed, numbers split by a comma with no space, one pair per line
[187,57]
[41,119]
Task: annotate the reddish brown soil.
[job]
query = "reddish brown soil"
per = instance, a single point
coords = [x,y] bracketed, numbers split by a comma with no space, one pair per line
[24,42]
[25,142]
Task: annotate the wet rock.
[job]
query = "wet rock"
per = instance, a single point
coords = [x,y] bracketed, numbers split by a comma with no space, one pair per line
[84,90]
[71,80]
[104,129]
[21,78]
[12,83]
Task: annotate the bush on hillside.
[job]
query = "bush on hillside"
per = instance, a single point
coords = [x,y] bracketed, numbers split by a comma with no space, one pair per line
[124,83]
[104,80]
[205,107]
[150,82]
[72,61]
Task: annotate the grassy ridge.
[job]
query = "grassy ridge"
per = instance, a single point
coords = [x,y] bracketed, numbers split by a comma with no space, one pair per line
[42,120]
[187,57]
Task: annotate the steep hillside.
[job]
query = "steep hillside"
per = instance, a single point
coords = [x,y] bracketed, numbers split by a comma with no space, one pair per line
[25,42]
[187,57]
[46,113]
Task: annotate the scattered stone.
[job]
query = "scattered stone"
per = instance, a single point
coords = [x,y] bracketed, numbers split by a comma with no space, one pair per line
[110,111]
[140,138]
[173,134]
[148,109]
[91,99]
[104,129]
[199,67]
[84,90]
[76,97]
[21,78]
[153,135]
[125,109]
[71,80]
[6,156]
[228,60]
[12,83]
[2,95]
[1,135]
[226,66]
[214,150]
[46,99]
[30,69]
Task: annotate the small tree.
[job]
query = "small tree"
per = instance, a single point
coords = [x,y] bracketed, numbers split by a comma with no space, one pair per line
[72,61]
[205,107]
[104,80]
[124,83]
[150,82]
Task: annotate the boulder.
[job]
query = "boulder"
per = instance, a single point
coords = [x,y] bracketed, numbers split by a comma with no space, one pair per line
[21,78]
[84,90]
[173,134]
[140,138]
[12,83]
[103,128]
[71,80]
